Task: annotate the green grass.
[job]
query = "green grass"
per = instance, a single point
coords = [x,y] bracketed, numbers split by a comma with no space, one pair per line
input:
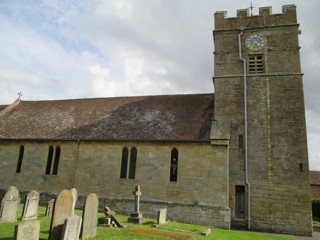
[7,230]
[316,223]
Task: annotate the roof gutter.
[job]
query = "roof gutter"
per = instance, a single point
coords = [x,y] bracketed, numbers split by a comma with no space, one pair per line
[75,163]
[106,139]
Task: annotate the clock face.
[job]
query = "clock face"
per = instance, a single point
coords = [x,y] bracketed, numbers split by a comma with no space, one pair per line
[256,42]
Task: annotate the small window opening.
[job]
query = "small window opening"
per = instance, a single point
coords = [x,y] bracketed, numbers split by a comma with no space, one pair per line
[241,143]
[56,161]
[21,153]
[256,64]
[124,163]
[49,160]
[133,161]
[174,165]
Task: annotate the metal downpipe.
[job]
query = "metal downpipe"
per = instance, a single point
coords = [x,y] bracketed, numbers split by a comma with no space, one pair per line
[75,163]
[245,127]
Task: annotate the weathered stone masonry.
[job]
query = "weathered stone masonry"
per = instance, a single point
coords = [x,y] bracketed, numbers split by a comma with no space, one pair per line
[277,146]
[97,169]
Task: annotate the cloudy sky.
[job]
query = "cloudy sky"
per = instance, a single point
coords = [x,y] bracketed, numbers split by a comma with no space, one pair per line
[55,49]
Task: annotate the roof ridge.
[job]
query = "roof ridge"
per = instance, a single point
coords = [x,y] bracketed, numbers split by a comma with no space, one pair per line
[119,97]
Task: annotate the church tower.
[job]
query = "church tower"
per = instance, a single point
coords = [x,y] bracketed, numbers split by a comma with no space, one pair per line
[259,91]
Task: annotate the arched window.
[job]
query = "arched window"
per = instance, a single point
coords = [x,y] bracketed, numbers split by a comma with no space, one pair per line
[174,165]
[49,160]
[128,159]
[133,161]
[124,163]
[21,153]
[56,161]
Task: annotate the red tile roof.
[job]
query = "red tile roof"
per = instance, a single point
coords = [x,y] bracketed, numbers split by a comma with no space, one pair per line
[314,177]
[169,117]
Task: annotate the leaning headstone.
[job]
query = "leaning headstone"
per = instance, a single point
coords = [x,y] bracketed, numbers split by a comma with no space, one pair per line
[27,230]
[110,220]
[136,217]
[106,221]
[90,217]
[49,208]
[71,228]
[61,210]
[115,222]
[9,205]
[207,232]
[162,216]
[30,207]
[74,198]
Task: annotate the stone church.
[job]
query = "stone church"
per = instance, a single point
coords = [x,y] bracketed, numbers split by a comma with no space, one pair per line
[235,157]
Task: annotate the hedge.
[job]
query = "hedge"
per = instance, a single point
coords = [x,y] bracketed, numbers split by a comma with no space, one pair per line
[316,208]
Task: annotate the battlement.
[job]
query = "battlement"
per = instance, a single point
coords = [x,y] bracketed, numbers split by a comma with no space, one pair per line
[265,18]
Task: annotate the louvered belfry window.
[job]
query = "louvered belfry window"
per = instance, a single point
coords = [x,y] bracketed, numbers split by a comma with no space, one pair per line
[256,64]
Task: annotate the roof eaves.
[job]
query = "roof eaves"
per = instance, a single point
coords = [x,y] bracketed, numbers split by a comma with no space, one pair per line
[104,139]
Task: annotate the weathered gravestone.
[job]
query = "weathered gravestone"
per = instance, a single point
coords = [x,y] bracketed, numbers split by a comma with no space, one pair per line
[136,217]
[74,193]
[30,207]
[49,208]
[27,230]
[61,210]
[162,216]
[90,217]
[71,228]
[9,205]
[110,220]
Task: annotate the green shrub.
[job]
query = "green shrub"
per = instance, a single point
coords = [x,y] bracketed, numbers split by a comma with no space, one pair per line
[315,208]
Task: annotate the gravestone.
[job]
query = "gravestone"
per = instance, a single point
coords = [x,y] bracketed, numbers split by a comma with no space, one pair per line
[136,217]
[74,193]
[27,230]
[110,220]
[9,205]
[90,217]
[49,208]
[207,232]
[30,207]
[162,216]
[61,210]
[71,228]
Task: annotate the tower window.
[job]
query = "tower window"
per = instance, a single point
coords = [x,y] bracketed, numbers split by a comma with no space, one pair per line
[241,141]
[256,64]
[21,153]
[174,165]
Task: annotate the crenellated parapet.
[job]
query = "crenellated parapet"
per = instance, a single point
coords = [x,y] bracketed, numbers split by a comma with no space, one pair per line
[264,19]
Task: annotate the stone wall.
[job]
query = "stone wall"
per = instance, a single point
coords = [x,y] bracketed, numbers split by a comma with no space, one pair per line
[95,167]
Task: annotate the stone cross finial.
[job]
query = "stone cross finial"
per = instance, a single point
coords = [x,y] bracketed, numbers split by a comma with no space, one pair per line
[251,8]
[137,193]
[20,95]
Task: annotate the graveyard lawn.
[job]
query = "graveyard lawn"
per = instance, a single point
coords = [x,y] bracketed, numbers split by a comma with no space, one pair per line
[7,230]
